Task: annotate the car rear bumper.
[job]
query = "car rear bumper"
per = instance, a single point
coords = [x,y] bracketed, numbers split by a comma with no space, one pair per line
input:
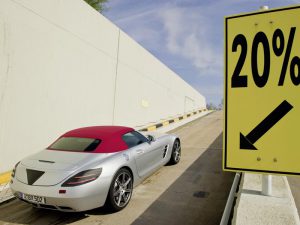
[79,198]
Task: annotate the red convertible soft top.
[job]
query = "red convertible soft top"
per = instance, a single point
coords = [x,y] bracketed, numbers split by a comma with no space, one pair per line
[110,136]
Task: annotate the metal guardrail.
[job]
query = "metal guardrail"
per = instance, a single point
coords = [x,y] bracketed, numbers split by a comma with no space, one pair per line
[230,200]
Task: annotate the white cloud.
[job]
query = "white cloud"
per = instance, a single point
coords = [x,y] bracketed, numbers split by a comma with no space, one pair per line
[172,24]
[188,35]
[179,32]
[183,31]
[213,90]
[138,23]
[145,35]
[136,16]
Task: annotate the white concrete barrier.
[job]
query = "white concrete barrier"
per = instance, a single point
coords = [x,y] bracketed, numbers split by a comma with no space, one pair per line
[254,208]
[63,65]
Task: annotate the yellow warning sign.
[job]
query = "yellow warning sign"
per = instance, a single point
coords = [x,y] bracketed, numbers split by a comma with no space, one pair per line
[262,92]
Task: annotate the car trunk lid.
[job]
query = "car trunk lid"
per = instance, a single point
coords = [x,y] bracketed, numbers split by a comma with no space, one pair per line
[49,167]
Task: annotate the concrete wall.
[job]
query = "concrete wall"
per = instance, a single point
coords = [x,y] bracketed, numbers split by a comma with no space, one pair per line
[63,66]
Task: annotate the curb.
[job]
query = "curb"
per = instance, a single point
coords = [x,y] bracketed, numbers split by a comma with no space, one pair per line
[168,122]
[5,177]
[295,210]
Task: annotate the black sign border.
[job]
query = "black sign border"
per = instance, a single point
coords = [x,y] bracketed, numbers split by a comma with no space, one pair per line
[226,93]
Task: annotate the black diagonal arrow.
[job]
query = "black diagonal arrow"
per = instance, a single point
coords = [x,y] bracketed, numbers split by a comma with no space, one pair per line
[273,118]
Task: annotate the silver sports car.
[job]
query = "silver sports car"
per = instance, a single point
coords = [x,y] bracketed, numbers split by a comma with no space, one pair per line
[90,167]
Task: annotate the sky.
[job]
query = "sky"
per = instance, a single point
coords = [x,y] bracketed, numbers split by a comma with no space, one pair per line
[187,35]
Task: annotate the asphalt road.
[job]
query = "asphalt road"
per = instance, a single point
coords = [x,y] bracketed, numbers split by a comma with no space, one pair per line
[193,192]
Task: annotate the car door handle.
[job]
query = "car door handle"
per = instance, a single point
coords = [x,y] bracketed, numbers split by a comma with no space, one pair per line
[139,151]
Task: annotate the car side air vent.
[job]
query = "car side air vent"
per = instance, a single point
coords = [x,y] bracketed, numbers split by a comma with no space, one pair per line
[165,151]
[46,161]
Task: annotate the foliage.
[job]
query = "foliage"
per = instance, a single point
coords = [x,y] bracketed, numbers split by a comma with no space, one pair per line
[99,5]
[212,106]
[221,104]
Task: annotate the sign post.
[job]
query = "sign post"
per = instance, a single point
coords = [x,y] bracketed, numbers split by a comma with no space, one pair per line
[266,185]
[266,179]
[262,89]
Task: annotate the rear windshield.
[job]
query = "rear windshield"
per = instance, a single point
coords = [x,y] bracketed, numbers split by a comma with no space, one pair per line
[75,144]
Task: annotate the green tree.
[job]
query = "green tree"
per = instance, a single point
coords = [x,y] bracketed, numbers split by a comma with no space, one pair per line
[221,104]
[99,5]
[211,106]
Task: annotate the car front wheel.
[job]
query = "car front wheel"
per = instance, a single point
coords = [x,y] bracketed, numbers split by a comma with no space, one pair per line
[176,153]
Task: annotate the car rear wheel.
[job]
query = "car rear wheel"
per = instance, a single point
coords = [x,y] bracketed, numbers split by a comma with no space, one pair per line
[120,190]
[176,153]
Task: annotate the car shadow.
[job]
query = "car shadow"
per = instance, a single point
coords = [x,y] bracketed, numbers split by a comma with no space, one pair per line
[198,196]
[18,212]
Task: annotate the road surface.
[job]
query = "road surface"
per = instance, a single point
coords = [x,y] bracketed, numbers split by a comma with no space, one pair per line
[193,192]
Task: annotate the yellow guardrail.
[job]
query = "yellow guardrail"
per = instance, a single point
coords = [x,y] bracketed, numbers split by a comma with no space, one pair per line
[5,177]
[176,119]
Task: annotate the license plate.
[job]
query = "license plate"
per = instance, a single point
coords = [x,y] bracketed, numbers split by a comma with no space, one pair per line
[33,198]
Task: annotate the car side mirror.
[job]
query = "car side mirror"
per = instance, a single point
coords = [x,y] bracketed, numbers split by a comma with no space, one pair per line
[150,138]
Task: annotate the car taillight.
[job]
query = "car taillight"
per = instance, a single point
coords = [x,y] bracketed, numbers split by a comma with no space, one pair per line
[13,173]
[83,178]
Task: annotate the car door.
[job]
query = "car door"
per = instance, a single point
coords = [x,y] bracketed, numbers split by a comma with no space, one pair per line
[146,154]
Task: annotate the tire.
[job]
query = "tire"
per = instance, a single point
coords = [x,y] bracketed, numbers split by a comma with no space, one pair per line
[176,153]
[120,190]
